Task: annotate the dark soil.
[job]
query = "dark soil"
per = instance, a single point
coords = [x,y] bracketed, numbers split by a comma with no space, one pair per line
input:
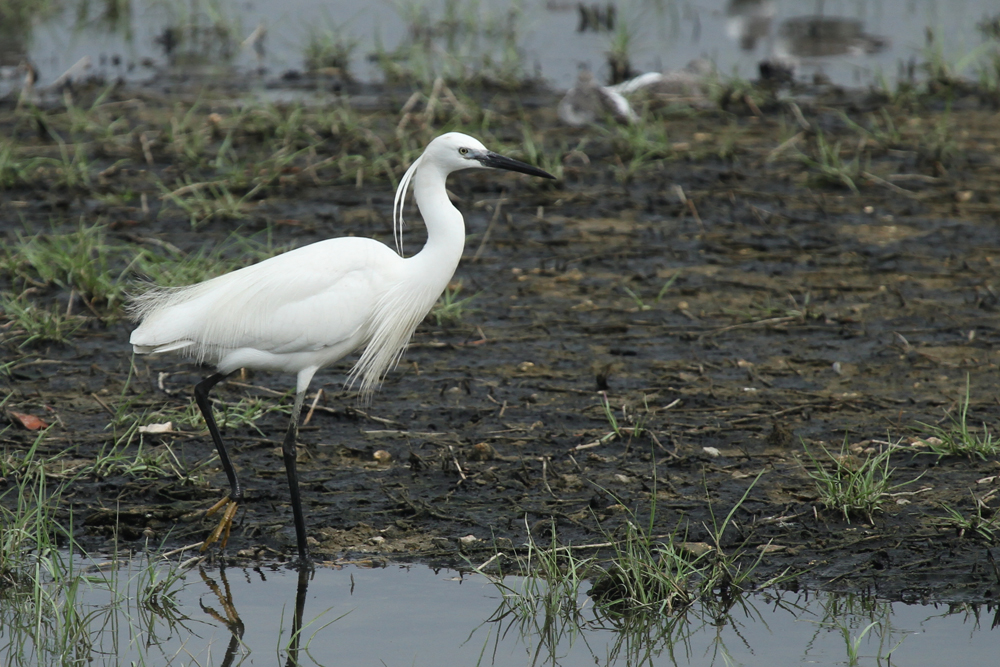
[802,313]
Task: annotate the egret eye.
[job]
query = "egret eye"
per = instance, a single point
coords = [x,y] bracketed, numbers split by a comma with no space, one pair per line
[463,151]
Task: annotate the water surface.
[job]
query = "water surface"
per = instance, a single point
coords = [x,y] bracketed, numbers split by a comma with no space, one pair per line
[852,43]
[413,615]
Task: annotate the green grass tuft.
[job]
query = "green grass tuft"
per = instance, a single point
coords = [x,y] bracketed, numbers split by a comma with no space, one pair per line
[851,485]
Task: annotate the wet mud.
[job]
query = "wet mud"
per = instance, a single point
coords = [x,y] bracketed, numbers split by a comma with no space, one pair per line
[731,304]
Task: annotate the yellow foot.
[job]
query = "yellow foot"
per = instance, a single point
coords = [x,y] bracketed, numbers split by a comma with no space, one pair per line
[225,524]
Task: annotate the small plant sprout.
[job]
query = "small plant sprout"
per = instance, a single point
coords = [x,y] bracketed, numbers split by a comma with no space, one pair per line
[609,413]
[983,523]
[957,438]
[640,303]
[831,166]
[636,421]
[667,285]
[451,310]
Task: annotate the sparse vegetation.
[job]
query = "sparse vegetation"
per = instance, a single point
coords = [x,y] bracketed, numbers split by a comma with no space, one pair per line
[29,323]
[958,438]
[329,49]
[982,523]
[832,169]
[468,42]
[451,310]
[82,261]
[853,485]
[650,574]
[547,600]
[48,600]
[662,575]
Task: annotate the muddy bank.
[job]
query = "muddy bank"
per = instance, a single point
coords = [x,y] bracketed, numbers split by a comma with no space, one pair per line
[738,284]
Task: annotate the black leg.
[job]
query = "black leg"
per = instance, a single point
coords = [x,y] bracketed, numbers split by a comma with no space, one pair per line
[288,453]
[300,606]
[201,398]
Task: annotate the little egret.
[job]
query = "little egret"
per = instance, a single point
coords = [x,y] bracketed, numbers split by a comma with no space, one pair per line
[307,308]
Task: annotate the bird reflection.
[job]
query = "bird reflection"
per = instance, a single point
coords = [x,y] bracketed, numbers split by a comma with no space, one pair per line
[824,36]
[230,618]
[300,605]
[749,20]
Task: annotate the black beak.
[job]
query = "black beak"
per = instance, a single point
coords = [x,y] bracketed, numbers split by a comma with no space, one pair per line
[497,161]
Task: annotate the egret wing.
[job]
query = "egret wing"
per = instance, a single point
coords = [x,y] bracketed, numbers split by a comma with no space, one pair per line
[306,299]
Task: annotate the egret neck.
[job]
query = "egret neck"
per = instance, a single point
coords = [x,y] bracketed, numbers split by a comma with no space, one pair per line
[445,227]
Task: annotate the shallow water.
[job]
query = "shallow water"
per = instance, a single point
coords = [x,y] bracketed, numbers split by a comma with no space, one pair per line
[413,615]
[879,37]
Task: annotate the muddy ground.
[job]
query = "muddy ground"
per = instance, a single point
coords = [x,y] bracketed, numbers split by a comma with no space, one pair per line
[801,313]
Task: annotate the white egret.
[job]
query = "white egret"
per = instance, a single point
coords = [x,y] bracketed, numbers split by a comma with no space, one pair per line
[307,308]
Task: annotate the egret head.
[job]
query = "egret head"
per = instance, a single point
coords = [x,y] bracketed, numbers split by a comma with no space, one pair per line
[455,151]
[451,152]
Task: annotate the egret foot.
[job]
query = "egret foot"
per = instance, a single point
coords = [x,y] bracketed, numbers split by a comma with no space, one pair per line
[225,524]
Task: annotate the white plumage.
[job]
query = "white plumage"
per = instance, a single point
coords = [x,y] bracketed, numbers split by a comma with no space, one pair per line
[253,318]
[307,308]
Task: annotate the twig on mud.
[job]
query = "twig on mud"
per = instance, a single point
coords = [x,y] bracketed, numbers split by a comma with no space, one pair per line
[492,558]
[660,445]
[922,178]
[417,434]
[191,188]
[779,413]
[458,467]
[545,478]
[689,203]
[503,406]
[311,169]
[892,186]
[424,508]
[266,390]
[910,493]
[102,404]
[166,245]
[489,227]
[603,440]
[377,420]
[147,153]
[312,408]
[784,518]
[799,118]
[563,390]
[191,562]
[182,549]
[745,325]
[785,145]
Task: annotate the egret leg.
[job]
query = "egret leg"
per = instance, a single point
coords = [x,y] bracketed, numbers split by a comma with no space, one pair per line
[201,391]
[289,454]
[201,398]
